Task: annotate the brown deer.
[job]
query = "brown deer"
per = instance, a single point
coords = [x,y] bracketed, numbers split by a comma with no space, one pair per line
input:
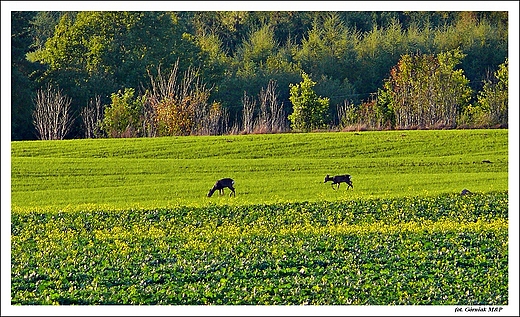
[339,179]
[221,184]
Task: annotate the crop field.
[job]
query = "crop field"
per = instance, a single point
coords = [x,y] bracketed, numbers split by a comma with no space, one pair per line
[164,172]
[127,221]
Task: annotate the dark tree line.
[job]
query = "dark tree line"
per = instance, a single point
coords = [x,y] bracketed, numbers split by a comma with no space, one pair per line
[230,72]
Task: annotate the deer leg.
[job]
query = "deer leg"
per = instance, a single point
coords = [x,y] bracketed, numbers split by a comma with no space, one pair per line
[232,192]
[332,185]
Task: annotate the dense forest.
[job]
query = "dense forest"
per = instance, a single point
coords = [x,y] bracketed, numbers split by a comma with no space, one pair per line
[145,74]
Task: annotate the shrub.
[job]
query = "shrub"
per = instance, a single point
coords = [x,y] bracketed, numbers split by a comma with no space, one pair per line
[309,111]
[122,115]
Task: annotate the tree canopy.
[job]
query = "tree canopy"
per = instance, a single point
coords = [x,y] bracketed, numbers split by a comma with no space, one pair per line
[349,55]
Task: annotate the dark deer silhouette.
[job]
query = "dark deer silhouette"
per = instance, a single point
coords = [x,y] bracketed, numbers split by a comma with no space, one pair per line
[339,179]
[465,192]
[221,184]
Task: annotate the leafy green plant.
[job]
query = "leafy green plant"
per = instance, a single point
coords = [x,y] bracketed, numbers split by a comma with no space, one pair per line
[309,110]
[397,251]
[427,90]
[122,116]
[493,99]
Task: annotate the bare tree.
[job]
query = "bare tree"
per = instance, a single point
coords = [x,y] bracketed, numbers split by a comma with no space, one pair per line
[51,117]
[212,120]
[344,112]
[163,87]
[92,116]
[264,116]
[271,118]
[235,127]
[179,105]
[149,118]
[248,113]
[216,122]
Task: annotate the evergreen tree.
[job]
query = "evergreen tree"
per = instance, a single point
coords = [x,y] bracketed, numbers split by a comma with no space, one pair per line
[22,88]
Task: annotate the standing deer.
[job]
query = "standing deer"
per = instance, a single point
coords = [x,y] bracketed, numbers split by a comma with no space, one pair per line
[339,179]
[221,184]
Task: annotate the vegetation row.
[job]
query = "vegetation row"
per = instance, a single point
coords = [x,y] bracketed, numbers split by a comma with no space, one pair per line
[441,250]
[143,74]
[267,168]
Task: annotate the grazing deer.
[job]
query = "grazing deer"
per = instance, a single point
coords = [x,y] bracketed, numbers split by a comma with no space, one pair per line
[339,179]
[221,184]
[465,192]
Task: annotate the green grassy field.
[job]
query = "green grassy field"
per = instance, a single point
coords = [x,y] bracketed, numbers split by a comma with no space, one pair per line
[127,221]
[162,172]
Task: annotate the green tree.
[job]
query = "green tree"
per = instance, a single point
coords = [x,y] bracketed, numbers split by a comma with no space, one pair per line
[120,45]
[492,104]
[483,38]
[385,109]
[427,91]
[309,110]
[328,48]
[258,46]
[216,61]
[122,116]
[377,51]
[97,53]
[21,84]
[43,25]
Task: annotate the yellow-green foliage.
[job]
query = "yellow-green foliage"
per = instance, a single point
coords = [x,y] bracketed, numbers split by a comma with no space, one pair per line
[127,221]
[444,250]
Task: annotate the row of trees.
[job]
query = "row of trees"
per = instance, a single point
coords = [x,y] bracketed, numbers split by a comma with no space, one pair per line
[423,91]
[232,72]
[429,92]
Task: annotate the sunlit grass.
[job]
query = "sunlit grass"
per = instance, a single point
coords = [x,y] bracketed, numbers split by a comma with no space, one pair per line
[127,221]
[162,172]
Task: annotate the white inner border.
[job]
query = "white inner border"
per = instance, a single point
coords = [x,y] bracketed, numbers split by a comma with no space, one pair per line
[8,6]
